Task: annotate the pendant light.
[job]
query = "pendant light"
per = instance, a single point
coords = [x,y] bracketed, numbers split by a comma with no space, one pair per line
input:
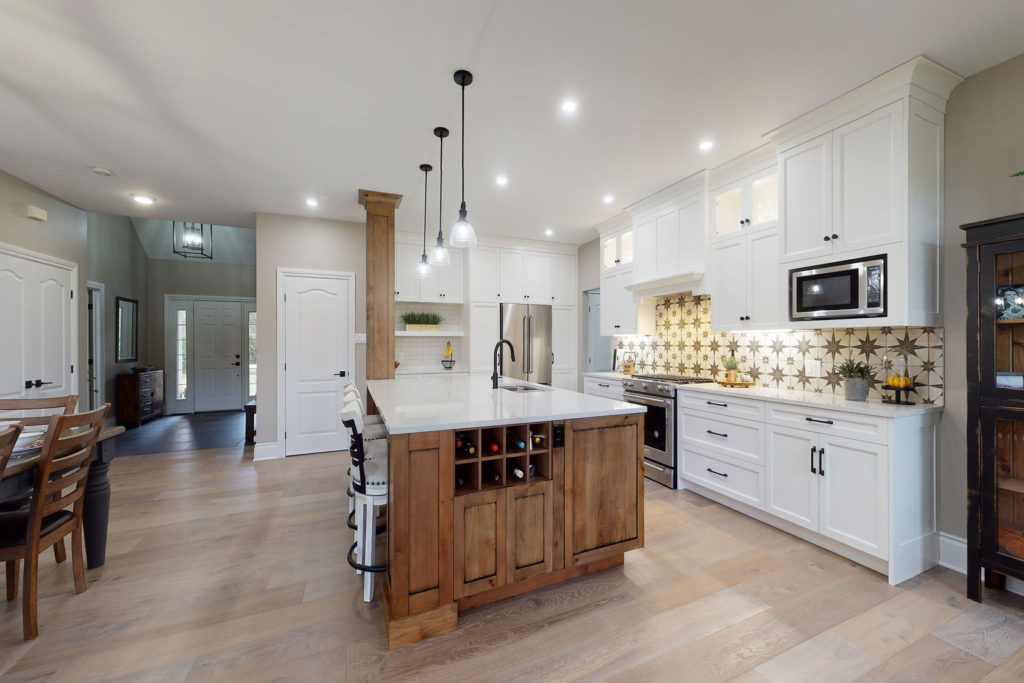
[462,234]
[423,269]
[439,255]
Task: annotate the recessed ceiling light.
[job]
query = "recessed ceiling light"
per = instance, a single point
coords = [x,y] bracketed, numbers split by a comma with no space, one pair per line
[568,106]
[100,170]
[705,145]
[501,180]
[549,232]
[143,199]
[312,202]
[608,199]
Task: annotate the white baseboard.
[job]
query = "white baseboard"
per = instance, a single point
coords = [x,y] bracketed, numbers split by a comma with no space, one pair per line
[267,451]
[953,552]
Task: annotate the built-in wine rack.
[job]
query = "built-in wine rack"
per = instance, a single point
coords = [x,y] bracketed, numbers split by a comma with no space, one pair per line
[508,455]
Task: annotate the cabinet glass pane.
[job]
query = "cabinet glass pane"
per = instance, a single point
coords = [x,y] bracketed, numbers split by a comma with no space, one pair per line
[764,200]
[728,207]
[1009,320]
[609,253]
[1010,487]
[626,246]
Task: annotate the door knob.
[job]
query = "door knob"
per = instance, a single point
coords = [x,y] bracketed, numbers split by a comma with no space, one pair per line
[237,363]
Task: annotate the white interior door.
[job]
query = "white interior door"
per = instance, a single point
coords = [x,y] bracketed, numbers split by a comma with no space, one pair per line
[37,339]
[319,357]
[218,355]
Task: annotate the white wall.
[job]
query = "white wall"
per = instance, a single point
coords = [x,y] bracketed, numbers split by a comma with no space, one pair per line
[984,145]
[296,242]
[63,235]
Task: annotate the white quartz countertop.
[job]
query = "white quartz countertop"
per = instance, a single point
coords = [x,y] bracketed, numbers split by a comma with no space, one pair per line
[815,400]
[605,375]
[426,404]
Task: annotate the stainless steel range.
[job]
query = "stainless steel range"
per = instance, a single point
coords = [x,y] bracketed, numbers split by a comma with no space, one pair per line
[658,394]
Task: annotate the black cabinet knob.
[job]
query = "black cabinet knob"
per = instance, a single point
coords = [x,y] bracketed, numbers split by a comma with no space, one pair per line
[835,236]
[827,238]
[747,221]
[741,221]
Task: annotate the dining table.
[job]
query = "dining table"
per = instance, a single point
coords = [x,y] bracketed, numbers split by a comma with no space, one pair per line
[19,475]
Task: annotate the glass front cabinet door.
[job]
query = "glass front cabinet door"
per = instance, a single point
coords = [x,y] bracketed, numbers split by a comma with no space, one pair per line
[995,402]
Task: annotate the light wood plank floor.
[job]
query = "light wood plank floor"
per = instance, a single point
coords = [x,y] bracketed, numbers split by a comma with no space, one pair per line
[222,569]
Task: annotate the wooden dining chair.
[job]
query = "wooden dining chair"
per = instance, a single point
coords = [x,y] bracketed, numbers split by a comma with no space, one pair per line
[63,468]
[14,409]
[8,439]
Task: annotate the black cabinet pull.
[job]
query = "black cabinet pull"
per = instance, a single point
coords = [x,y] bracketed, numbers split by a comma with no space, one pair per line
[821,465]
[724,436]
[721,474]
[741,318]
[814,419]
[341,373]
[617,326]
[716,403]
[814,449]
[606,386]
[827,238]
[835,236]
[618,260]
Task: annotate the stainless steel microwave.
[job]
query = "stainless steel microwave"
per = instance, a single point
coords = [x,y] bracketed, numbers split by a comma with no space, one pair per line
[844,289]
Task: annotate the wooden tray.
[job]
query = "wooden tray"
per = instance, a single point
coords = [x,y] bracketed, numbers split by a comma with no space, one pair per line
[741,385]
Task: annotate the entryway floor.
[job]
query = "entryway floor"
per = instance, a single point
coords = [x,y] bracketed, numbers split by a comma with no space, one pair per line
[174,433]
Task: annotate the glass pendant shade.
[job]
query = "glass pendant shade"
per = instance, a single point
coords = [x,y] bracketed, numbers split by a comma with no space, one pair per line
[462,234]
[439,255]
[423,269]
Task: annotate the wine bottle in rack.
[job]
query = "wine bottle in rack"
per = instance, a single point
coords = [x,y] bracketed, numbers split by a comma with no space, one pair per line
[519,445]
[518,473]
[495,476]
[460,482]
[494,447]
[464,448]
[537,438]
[533,469]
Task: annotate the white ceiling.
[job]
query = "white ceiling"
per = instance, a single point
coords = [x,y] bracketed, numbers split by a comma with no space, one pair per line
[230,244]
[224,109]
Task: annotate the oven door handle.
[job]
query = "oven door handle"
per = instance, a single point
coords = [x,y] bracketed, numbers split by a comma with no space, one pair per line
[641,399]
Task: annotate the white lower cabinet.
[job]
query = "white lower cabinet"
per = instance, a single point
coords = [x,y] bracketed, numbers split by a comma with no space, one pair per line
[870,498]
[601,386]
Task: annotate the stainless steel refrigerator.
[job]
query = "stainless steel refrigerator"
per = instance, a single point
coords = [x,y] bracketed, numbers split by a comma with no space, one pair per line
[528,327]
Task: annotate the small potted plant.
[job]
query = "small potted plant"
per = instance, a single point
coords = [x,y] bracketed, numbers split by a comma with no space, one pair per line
[421,322]
[731,366]
[855,376]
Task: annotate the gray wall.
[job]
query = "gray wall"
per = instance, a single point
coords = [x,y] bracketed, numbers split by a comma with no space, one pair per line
[63,235]
[118,261]
[588,276]
[189,278]
[296,242]
[984,145]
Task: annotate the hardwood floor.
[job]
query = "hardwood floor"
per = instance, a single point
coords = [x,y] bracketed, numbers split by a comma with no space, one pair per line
[222,569]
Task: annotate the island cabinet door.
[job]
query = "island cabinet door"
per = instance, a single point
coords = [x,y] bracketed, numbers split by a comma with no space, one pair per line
[603,488]
[480,545]
[529,530]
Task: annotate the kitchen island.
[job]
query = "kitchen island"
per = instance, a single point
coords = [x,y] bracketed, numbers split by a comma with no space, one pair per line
[496,492]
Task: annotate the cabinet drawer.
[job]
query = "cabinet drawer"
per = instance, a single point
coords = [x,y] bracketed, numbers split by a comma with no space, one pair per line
[725,404]
[609,388]
[831,422]
[733,437]
[745,484]
[145,380]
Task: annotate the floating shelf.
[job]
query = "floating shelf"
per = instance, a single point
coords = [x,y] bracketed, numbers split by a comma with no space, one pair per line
[438,333]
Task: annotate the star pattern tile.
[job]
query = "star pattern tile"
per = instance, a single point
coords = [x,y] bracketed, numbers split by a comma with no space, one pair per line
[685,344]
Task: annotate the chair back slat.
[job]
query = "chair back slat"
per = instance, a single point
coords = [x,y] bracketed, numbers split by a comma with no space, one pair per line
[15,409]
[61,467]
[8,439]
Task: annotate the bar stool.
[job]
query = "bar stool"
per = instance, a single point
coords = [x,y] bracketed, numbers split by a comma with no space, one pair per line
[352,393]
[370,485]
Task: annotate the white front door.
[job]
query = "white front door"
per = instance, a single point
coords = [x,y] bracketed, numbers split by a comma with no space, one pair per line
[37,339]
[319,350]
[218,355]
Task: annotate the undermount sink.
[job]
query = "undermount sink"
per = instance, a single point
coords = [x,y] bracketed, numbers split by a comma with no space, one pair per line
[521,387]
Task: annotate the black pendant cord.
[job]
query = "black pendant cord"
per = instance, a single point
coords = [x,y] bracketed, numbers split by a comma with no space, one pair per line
[463,147]
[440,192]
[424,211]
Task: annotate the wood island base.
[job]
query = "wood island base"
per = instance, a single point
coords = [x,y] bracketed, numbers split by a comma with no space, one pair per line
[532,505]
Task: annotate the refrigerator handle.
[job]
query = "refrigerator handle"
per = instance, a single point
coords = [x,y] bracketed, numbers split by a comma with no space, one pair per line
[526,347]
[529,349]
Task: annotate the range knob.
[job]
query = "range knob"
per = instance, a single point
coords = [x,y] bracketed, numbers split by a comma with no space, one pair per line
[644,385]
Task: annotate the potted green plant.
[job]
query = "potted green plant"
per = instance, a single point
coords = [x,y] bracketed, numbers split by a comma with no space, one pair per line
[855,376]
[421,322]
[731,366]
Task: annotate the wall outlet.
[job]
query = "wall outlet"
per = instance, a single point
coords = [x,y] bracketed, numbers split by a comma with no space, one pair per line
[812,368]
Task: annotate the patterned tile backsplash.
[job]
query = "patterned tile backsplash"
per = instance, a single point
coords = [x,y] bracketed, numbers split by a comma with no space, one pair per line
[684,344]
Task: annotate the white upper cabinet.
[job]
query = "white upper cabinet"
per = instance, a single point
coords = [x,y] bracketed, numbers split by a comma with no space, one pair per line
[563,268]
[617,249]
[539,279]
[483,274]
[407,286]
[444,286]
[746,204]
[746,283]
[727,271]
[645,243]
[511,276]
[869,180]
[620,314]
[484,323]
[806,187]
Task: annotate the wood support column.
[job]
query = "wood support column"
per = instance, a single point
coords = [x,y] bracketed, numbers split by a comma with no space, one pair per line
[380,282]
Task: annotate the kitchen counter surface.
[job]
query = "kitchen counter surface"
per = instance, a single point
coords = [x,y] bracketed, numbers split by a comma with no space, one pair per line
[410,405]
[606,375]
[814,400]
